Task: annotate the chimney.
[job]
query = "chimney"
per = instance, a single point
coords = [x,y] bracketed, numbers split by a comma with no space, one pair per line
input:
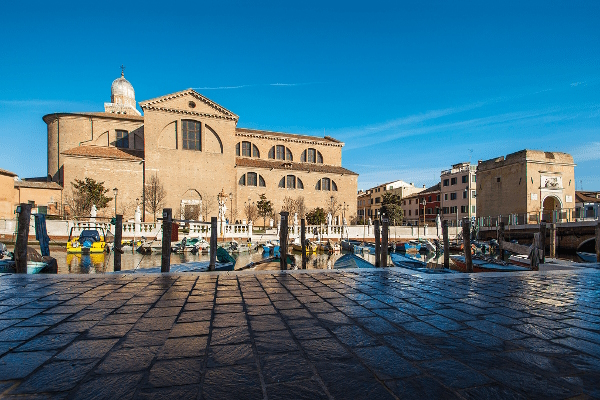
[423,186]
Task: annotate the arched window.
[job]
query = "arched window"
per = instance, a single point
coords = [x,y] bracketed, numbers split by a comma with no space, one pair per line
[280,152]
[312,156]
[252,179]
[291,182]
[190,133]
[326,184]
[246,149]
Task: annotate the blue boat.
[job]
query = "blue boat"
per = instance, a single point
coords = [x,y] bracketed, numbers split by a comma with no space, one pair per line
[351,261]
[404,261]
[587,257]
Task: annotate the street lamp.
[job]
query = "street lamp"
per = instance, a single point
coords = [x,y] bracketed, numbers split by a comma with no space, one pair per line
[424,204]
[116,192]
[231,211]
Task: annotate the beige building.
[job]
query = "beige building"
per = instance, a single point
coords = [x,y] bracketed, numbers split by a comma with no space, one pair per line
[45,197]
[369,201]
[526,187]
[458,193]
[196,150]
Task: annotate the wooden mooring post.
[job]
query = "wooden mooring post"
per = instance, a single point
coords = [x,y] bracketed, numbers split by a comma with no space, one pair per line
[167,223]
[598,242]
[213,243]
[552,252]
[303,240]
[384,241]
[117,245]
[283,239]
[22,238]
[543,241]
[446,244]
[377,244]
[467,243]
[500,239]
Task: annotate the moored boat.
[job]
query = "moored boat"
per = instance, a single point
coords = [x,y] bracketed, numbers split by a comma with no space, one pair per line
[487,265]
[88,241]
[587,257]
[351,261]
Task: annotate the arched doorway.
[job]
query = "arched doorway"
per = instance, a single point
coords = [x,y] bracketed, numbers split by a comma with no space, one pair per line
[551,209]
[191,205]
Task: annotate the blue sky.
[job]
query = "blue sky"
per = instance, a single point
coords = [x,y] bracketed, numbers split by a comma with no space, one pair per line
[410,87]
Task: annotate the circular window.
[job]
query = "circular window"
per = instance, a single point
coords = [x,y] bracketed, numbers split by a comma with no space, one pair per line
[192,104]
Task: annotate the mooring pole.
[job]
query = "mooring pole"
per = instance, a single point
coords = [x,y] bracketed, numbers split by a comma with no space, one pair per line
[213,243]
[303,240]
[543,241]
[500,239]
[467,243]
[384,240]
[118,237]
[446,244]
[283,232]
[165,261]
[598,242]
[377,244]
[24,210]
[553,240]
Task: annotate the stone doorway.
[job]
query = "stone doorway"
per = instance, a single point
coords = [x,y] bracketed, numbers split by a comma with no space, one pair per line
[551,209]
[191,205]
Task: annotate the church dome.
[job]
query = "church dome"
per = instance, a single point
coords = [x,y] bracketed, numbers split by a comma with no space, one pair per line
[122,88]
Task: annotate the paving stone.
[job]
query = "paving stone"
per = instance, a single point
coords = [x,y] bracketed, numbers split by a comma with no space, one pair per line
[109,387]
[168,393]
[307,389]
[233,382]
[286,367]
[354,336]
[86,349]
[190,329]
[194,346]
[229,355]
[324,349]
[19,365]
[580,345]
[264,323]
[56,377]
[385,362]
[142,339]
[421,387]
[48,342]
[275,342]
[493,391]
[13,334]
[127,360]
[108,331]
[454,374]
[183,371]
[534,385]
[411,349]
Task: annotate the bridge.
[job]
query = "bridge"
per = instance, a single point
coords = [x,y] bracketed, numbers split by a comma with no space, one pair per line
[570,236]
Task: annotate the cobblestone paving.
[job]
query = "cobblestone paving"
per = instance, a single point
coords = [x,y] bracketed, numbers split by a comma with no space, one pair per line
[317,335]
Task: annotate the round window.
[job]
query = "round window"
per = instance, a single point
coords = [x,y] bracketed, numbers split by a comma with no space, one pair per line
[192,104]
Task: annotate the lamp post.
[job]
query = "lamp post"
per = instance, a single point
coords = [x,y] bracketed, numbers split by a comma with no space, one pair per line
[424,204]
[115,192]
[231,205]
[137,204]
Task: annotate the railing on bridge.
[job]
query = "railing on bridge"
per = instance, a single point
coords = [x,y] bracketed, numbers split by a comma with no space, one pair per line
[556,216]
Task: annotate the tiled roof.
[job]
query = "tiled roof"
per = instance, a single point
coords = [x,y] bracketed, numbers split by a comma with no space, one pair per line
[292,136]
[129,117]
[7,173]
[587,197]
[431,189]
[38,185]
[292,166]
[105,152]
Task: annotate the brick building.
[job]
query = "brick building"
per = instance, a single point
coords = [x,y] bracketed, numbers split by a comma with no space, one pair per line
[422,206]
[196,150]
[369,201]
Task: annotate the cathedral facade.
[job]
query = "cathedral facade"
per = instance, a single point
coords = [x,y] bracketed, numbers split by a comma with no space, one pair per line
[195,150]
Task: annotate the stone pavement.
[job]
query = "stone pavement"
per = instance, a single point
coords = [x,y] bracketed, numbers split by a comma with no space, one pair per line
[311,335]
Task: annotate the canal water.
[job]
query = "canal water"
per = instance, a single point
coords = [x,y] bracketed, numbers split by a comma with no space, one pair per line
[102,263]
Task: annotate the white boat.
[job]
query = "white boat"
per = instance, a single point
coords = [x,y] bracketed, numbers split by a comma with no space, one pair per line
[520,259]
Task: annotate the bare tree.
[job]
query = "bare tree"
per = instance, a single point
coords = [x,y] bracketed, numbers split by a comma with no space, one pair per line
[289,205]
[209,204]
[333,206]
[301,206]
[155,195]
[251,211]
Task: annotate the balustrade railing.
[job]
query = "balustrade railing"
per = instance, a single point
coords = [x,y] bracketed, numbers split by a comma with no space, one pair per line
[555,216]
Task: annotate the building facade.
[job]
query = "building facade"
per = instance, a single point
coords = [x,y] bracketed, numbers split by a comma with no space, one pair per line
[422,207]
[195,149]
[44,197]
[369,201]
[526,187]
[458,193]
[587,205]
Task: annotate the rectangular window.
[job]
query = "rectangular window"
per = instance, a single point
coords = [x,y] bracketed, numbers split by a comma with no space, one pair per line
[445,210]
[464,209]
[429,211]
[326,184]
[377,200]
[465,194]
[251,179]
[465,178]
[371,201]
[453,196]
[312,155]
[445,196]
[453,210]
[280,152]
[409,211]
[291,182]
[472,209]
[473,194]
[473,178]
[498,179]
[409,201]
[446,182]
[429,198]
[453,181]
[438,197]
[246,149]
[190,133]
[122,139]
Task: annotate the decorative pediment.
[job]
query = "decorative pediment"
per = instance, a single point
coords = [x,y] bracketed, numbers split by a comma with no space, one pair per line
[188,102]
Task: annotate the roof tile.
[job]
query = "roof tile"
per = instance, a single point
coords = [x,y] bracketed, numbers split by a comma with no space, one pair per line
[292,166]
[105,152]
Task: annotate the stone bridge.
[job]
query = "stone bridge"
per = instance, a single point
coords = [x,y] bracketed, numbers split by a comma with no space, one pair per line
[570,236]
